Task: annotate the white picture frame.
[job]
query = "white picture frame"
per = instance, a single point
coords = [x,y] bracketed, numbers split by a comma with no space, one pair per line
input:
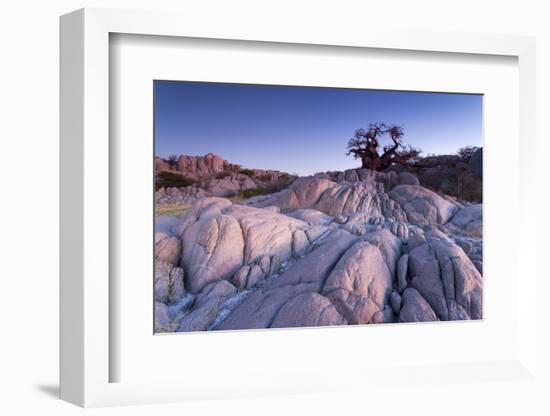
[86,356]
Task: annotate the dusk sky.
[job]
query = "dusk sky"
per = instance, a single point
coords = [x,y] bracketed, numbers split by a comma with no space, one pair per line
[303,130]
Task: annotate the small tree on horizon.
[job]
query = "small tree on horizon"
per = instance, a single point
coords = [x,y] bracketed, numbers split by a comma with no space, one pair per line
[172,160]
[467,151]
[365,145]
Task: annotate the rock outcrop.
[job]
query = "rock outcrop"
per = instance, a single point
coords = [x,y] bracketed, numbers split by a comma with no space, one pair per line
[229,185]
[444,275]
[453,175]
[181,195]
[361,282]
[415,308]
[469,220]
[211,175]
[219,238]
[203,166]
[422,206]
[349,248]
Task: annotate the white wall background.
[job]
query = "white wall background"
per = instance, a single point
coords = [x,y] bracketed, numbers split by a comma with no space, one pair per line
[29,208]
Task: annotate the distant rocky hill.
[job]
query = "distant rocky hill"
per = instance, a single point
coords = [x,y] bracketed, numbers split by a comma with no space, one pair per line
[453,175]
[196,166]
[186,178]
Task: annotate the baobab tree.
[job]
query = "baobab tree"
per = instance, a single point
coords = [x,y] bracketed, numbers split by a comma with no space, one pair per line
[365,145]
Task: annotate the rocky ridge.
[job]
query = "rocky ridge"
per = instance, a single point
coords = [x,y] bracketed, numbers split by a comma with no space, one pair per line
[212,175]
[356,247]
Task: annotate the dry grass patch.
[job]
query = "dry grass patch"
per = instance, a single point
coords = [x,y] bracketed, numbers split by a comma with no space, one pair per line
[177,210]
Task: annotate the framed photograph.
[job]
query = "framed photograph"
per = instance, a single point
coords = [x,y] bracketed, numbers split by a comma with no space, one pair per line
[276,211]
[314,237]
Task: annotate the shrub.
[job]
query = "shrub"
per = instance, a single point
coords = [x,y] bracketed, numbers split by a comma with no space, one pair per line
[263,178]
[466,152]
[249,193]
[470,188]
[265,190]
[247,172]
[171,160]
[167,179]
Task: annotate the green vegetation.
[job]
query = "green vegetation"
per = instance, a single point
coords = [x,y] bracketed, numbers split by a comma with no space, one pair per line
[167,179]
[249,193]
[247,172]
[264,178]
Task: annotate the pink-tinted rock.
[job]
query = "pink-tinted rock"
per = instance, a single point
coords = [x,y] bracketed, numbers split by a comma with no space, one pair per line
[212,250]
[168,250]
[307,309]
[447,279]
[169,283]
[360,284]
[422,206]
[415,308]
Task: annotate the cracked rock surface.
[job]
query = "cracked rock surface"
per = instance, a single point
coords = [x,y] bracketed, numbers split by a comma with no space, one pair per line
[346,248]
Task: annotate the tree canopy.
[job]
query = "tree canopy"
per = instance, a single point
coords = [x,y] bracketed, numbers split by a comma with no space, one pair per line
[365,145]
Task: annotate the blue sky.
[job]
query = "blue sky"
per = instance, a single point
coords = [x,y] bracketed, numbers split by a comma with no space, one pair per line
[303,129]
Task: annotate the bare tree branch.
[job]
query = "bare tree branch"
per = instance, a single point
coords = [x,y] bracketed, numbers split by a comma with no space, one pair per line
[365,146]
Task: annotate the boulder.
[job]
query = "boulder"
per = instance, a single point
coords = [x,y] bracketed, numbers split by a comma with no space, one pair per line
[201,317]
[219,238]
[168,250]
[251,275]
[160,235]
[470,220]
[387,179]
[447,279]
[308,274]
[304,193]
[221,289]
[169,286]
[360,284]
[422,206]
[200,210]
[212,250]
[407,178]
[414,308]
[307,309]
[395,302]
[385,316]
[207,306]
[260,308]
[315,267]
[335,199]
[265,232]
